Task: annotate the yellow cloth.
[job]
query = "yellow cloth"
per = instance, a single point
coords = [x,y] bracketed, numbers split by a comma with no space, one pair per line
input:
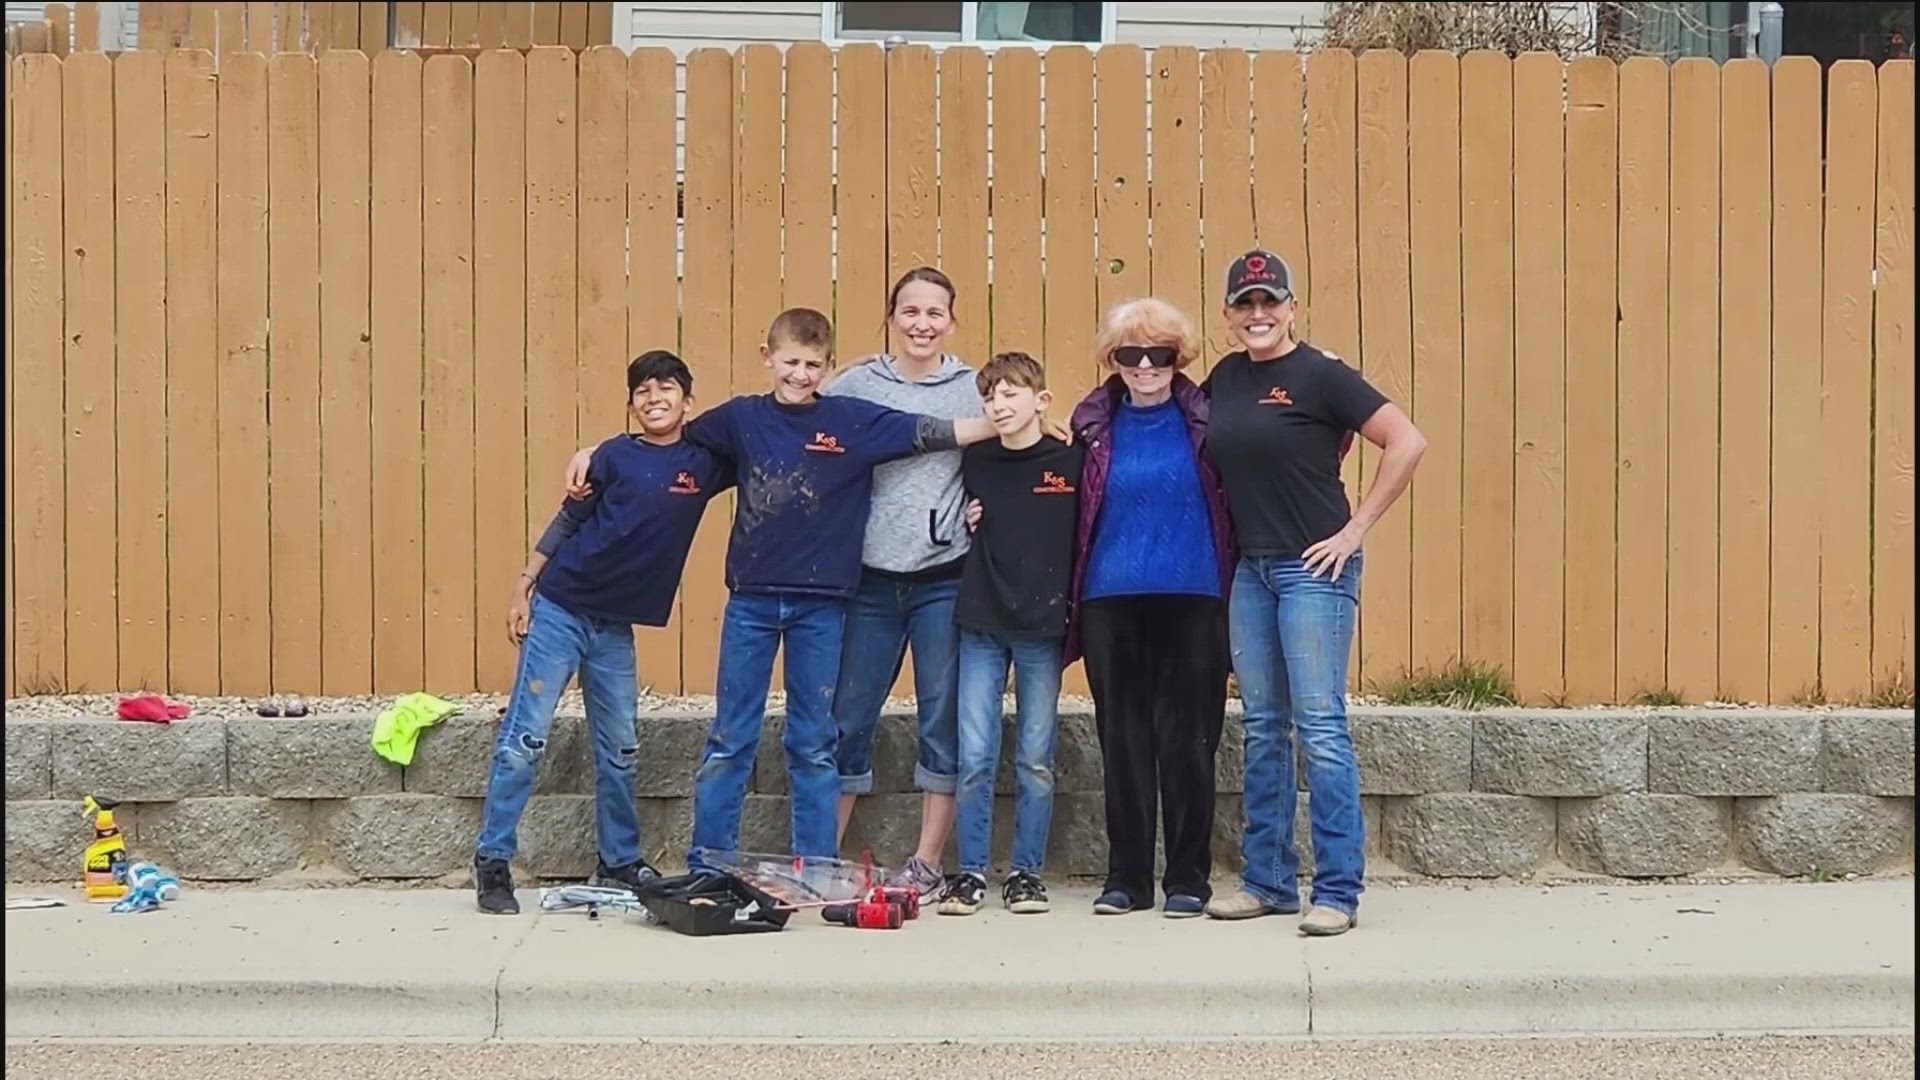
[398,729]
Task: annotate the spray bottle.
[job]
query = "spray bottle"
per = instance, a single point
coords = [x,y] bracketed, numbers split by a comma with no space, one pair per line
[106,864]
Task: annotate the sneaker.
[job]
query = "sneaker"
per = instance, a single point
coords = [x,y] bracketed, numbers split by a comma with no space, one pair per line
[963,895]
[1241,904]
[1326,922]
[1113,902]
[493,883]
[1180,906]
[919,874]
[1024,893]
[629,878]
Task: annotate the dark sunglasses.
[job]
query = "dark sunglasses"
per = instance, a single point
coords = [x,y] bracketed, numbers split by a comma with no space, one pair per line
[1157,355]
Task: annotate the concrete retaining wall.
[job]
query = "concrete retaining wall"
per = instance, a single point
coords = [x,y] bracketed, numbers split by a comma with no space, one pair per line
[1446,794]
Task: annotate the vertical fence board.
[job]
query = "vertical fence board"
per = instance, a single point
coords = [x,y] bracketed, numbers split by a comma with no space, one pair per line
[912,169]
[860,204]
[140,377]
[756,219]
[546,23]
[447,337]
[1893,630]
[1693,384]
[1640,634]
[1123,269]
[1069,257]
[346,389]
[552,376]
[1017,312]
[375,32]
[87,143]
[86,27]
[518,21]
[573,23]
[1487,387]
[290,30]
[1592,313]
[193,448]
[464,26]
[1433,168]
[499,361]
[410,24]
[1226,175]
[246,572]
[600,24]
[346,26]
[59,20]
[260,20]
[6,199]
[1745,337]
[963,192]
[808,176]
[602,329]
[37,487]
[1539,272]
[436,30]
[1279,160]
[1174,146]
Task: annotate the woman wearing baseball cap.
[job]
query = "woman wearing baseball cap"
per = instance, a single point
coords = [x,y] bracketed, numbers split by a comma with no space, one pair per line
[1283,417]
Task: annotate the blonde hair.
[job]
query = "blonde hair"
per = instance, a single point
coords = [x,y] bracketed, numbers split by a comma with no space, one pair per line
[1146,321]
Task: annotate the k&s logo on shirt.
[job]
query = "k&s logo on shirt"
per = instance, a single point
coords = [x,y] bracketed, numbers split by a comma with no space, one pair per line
[1277,396]
[824,443]
[684,484]
[1052,483]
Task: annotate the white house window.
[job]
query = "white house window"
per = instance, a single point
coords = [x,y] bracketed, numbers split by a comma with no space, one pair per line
[983,23]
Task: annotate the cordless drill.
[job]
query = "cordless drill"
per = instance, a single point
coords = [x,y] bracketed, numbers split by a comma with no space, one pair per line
[866,914]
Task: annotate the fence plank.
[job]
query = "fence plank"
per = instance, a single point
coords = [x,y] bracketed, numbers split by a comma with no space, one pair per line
[912,169]
[6,358]
[600,25]
[37,488]
[410,24]
[963,192]
[1433,167]
[346,482]
[808,177]
[573,24]
[1745,336]
[518,18]
[1592,301]
[1487,387]
[290,31]
[1693,343]
[193,448]
[1641,465]
[491,32]
[86,27]
[860,206]
[320,27]
[246,572]
[552,371]
[259,29]
[346,26]
[447,168]
[1539,273]
[500,371]
[399,571]
[653,287]
[464,26]
[374,31]
[1017,312]
[1174,146]
[756,219]
[293,301]
[436,31]
[708,331]
[229,27]
[1124,268]
[601,317]
[546,24]
[59,20]
[87,144]
[1226,175]
[1386,350]
[1893,630]
[1846,415]
[1279,159]
[1069,257]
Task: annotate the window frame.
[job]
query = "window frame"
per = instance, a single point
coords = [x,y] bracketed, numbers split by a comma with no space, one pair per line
[969,30]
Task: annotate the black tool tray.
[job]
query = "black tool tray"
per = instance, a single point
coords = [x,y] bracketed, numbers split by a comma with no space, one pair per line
[726,905]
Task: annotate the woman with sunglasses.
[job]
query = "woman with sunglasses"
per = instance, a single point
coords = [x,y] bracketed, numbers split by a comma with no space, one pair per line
[1155,557]
[1284,415]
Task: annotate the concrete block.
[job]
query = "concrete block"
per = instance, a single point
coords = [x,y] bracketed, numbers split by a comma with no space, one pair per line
[557,837]
[666,828]
[455,757]
[231,839]
[1642,835]
[1413,755]
[29,760]
[896,749]
[1469,834]
[135,762]
[887,825]
[1860,753]
[400,836]
[1077,766]
[47,841]
[1229,762]
[1229,831]
[314,757]
[1819,834]
[1559,755]
[670,752]
[1746,752]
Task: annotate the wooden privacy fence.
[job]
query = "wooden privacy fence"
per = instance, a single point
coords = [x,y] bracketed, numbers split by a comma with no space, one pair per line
[299,351]
[318,27]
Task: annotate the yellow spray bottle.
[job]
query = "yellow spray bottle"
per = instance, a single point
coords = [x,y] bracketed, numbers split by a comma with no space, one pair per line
[106,866]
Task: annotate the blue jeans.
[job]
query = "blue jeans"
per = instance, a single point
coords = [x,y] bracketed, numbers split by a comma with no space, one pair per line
[754,627]
[883,617]
[559,644]
[1291,635]
[983,686]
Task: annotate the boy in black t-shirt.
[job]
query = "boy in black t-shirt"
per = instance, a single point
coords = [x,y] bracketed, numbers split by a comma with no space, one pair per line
[1012,609]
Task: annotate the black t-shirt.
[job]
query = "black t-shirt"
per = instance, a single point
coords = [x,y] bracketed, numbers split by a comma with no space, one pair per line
[1278,431]
[1019,572]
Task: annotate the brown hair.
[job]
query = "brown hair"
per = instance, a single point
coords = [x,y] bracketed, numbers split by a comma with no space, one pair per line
[804,327]
[922,273]
[1014,369]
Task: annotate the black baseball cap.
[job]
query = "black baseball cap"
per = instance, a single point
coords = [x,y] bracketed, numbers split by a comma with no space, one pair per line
[1257,271]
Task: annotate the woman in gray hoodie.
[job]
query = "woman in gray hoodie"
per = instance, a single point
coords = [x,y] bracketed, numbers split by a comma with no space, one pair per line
[915,546]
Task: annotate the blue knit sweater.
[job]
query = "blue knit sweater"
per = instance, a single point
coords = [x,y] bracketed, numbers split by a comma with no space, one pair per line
[1153,536]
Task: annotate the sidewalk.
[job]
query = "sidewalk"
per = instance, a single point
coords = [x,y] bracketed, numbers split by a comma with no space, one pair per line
[371,964]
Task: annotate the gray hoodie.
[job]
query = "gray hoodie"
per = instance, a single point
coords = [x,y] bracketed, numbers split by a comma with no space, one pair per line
[918,502]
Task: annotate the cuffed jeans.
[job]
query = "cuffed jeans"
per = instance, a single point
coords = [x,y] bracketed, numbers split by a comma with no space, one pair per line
[559,644]
[1292,634]
[983,685]
[883,618]
[753,629]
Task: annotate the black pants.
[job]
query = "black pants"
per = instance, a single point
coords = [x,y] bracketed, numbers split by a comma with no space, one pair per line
[1157,666]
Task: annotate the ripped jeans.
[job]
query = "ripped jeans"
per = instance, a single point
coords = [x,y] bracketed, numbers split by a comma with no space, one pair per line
[558,644]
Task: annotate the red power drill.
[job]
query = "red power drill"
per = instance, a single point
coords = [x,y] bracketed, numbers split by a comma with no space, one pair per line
[866,915]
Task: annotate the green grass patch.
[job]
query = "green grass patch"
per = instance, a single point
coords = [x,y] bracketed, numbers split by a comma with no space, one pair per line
[1460,685]
[1661,697]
